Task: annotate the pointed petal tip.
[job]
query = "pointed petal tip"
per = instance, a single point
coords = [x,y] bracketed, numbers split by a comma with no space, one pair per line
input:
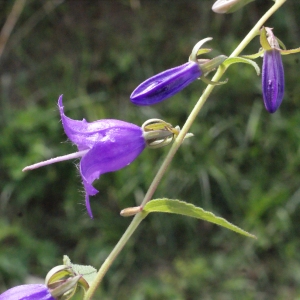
[60,100]
[88,206]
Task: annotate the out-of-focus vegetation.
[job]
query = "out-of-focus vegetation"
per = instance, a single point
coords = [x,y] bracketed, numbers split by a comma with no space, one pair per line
[243,164]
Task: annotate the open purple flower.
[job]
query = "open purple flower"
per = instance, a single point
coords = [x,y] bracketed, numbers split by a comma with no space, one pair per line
[168,83]
[106,146]
[27,292]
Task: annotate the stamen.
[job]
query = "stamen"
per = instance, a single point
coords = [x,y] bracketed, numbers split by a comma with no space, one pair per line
[55,160]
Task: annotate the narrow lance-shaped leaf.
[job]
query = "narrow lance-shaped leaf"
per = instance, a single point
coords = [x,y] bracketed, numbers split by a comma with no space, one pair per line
[183,208]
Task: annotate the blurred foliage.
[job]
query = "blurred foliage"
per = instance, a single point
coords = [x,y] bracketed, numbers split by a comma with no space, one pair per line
[243,164]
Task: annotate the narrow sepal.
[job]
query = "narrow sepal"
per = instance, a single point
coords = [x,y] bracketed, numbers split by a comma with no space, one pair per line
[232,60]
[264,39]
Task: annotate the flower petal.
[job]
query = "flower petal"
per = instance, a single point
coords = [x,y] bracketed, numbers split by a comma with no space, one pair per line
[116,150]
[165,84]
[272,80]
[27,292]
[86,134]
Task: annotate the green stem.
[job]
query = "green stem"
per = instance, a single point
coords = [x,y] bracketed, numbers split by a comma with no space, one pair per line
[140,216]
[110,259]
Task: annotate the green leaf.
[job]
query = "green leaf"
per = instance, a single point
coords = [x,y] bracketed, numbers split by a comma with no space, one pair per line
[88,272]
[233,60]
[187,209]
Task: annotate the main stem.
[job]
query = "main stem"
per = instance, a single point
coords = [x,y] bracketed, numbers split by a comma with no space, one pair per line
[139,217]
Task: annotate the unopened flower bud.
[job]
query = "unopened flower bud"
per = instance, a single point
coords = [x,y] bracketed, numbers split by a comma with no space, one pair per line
[228,6]
[272,74]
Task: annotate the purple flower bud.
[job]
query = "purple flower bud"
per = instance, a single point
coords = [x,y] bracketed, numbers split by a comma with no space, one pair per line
[27,292]
[109,144]
[272,80]
[165,84]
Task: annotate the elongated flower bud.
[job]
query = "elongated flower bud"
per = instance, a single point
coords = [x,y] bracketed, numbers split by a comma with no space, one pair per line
[272,80]
[228,6]
[165,84]
[272,72]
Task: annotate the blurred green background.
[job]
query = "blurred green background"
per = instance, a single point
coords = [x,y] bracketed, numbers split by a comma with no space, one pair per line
[243,164]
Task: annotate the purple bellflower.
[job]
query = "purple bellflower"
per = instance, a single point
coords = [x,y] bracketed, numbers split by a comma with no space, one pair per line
[27,292]
[170,82]
[106,146]
[272,69]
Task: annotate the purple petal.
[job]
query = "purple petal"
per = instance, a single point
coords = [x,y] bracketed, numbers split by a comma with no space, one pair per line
[165,84]
[27,292]
[272,80]
[86,134]
[117,150]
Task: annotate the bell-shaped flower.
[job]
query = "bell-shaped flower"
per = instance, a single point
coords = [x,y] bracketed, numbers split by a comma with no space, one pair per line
[105,146]
[27,292]
[168,83]
[272,69]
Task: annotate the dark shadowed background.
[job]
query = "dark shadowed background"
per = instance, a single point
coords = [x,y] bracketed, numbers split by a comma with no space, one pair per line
[243,164]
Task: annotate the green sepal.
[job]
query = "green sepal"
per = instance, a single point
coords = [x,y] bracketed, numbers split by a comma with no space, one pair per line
[196,49]
[281,43]
[65,289]
[291,51]
[256,55]
[203,51]
[232,60]
[187,209]
[212,64]
[207,81]
[58,273]
[264,40]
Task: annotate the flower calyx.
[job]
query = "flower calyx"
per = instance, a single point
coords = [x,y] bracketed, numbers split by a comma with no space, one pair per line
[62,282]
[206,65]
[158,133]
